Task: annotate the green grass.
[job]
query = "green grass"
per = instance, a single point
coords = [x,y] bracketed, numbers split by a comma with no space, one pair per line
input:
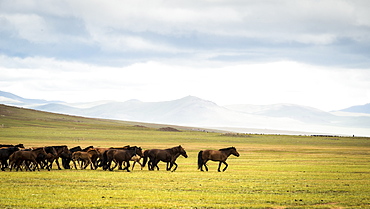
[271,172]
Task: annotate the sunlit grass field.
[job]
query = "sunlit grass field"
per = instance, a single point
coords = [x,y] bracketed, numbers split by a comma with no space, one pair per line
[271,172]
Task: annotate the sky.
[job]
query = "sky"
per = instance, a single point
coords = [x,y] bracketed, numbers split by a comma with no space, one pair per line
[312,53]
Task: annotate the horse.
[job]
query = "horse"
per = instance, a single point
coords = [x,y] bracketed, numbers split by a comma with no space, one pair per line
[47,160]
[67,156]
[220,155]
[101,151]
[4,156]
[119,156]
[28,156]
[88,157]
[62,152]
[167,155]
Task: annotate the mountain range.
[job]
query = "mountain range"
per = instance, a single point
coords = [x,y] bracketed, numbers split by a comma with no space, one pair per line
[194,111]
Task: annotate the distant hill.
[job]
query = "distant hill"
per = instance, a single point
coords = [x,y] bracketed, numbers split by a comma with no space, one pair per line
[16,116]
[197,112]
[358,109]
[9,98]
[297,112]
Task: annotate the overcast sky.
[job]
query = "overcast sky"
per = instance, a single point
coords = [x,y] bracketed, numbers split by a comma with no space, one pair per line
[313,53]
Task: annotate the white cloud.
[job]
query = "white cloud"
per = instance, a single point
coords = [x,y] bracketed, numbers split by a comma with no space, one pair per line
[106,32]
[31,27]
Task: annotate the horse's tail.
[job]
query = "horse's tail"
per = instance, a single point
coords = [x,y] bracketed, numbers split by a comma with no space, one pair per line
[200,160]
[145,158]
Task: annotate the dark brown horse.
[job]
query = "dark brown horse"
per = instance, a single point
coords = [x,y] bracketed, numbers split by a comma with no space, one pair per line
[215,155]
[167,155]
[4,156]
[61,151]
[18,157]
[119,156]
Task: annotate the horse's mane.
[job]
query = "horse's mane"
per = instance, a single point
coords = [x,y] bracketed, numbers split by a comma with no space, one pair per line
[173,148]
[60,146]
[87,148]
[128,147]
[225,149]
[136,147]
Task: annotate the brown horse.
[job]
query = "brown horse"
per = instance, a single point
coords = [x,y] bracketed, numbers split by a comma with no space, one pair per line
[86,158]
[18,157]
[167,155]
[215,155]
[119,156]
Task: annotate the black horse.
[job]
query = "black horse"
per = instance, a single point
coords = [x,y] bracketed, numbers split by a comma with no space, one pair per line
[5,154]
[220,155]
[167,155]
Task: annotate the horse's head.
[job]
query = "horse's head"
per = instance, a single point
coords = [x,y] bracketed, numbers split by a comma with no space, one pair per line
[234,152]
[139,151]
[19,145]
[51,150]
[182,151]
[40,151]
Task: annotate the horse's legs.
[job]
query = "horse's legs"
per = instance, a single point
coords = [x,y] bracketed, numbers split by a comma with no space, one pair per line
[155,164]
[18,164]
[205,164]
[112,168]
[15,166]
[47,165]
[51,163]
[225,167]
[149,164]
[120,165]
[3,165]
[74,163]
[127,166]
[93,166]
[80,163]
[36,164]
[201,166]
[28,165]
[87,163]
[175,167]
[57,162]
[169,166]
[219,166]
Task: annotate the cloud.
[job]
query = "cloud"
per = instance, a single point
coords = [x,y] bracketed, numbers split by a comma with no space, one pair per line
[122,32]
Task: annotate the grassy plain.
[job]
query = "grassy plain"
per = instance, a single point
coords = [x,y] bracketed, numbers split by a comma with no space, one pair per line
[271,172]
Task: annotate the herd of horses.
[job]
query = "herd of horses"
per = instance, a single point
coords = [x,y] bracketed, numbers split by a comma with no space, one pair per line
[18,158]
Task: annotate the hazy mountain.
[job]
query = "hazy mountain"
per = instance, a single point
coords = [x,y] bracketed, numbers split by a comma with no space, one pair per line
[297,112]
[358,109]
[59,108]
[10,98]
[193,111]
